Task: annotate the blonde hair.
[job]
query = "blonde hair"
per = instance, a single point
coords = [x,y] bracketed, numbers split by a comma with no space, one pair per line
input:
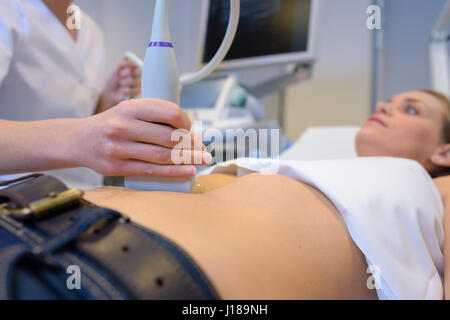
[445,102]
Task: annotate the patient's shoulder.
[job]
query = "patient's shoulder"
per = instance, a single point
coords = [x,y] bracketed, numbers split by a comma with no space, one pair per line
[443,184]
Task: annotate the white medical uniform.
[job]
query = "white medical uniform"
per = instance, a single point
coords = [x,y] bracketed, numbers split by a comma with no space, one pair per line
[45,74]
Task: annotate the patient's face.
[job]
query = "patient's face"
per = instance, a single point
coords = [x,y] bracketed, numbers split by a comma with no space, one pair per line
[407,126]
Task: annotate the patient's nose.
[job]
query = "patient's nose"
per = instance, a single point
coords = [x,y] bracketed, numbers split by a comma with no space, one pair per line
[384,108]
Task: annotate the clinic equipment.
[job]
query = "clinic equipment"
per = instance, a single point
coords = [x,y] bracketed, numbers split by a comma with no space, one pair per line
[161,80]
[131,56]
[439,52]
[270,33]
[219,102]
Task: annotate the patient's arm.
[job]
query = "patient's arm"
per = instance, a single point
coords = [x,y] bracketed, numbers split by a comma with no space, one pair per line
[443,184]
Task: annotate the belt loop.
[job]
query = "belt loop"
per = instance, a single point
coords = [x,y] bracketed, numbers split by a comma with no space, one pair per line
[83,222]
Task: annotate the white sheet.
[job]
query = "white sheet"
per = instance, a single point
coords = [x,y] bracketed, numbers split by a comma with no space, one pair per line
[391,207]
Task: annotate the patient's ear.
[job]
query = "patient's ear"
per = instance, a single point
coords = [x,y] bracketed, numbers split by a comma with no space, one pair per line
[441,157]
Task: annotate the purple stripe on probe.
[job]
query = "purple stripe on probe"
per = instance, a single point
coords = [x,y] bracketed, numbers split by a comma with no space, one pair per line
[160,44]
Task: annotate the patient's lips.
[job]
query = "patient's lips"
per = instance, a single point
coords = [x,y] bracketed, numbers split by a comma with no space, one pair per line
[375,118]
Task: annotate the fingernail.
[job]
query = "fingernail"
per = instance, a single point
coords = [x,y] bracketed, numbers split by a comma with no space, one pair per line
[207,157]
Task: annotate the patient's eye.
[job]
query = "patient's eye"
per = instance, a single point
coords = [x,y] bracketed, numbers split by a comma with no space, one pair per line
[411,110]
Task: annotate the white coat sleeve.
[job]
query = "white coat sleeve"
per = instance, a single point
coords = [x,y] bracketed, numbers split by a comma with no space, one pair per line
[10,26]
[6,50]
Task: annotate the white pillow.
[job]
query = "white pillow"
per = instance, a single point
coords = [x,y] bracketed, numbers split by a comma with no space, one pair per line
[324,143]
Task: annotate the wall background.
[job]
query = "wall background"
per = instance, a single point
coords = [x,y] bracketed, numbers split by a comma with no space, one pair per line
[340,92]
[405,57]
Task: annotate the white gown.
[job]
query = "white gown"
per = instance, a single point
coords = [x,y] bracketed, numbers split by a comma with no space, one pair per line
[45,74]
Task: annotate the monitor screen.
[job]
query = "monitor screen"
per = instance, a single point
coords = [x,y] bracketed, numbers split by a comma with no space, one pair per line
[269,28]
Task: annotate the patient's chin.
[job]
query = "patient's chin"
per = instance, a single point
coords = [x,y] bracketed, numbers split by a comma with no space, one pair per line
[367,145]
[361,143]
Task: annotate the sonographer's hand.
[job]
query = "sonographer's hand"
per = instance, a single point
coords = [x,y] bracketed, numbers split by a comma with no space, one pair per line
[125,81]
[135,139]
